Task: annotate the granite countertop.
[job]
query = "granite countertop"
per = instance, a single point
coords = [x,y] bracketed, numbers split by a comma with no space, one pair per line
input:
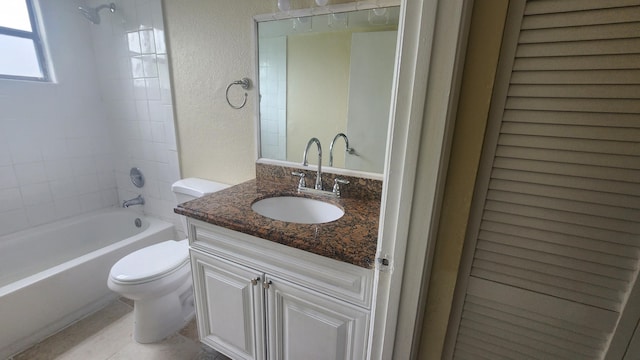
[352,238]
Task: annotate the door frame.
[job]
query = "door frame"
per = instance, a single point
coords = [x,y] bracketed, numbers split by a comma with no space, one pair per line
[511,32]
[431,51]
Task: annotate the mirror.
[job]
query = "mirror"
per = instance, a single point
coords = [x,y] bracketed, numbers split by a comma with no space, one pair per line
[323,75]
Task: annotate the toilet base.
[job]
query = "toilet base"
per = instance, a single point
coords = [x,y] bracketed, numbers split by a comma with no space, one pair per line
[157,318]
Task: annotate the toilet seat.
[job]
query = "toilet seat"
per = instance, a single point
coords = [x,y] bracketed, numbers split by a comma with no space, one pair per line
[150,263]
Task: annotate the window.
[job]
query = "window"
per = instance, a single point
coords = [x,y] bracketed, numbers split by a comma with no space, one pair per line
[20,43]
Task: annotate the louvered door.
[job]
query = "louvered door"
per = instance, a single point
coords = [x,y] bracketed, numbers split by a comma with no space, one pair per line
[554,245]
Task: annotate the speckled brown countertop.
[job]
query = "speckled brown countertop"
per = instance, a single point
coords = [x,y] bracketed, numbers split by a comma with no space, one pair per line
[352,238]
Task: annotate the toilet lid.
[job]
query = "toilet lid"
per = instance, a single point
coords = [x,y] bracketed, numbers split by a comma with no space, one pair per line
[151,263]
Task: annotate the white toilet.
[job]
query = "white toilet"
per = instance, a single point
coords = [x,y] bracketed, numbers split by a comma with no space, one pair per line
[158,277]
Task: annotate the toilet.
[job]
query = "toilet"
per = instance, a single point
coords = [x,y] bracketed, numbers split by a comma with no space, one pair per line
[158,277]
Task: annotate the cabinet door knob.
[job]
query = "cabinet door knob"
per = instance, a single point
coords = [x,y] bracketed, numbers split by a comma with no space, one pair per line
[255,281]
[266,284]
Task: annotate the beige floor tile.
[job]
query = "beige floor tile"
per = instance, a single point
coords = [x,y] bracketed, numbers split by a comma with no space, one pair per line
[107,335]
[67,339]
[210,354]
[222,357]
[190,331]
[126,301]
[105,343]
[175,347]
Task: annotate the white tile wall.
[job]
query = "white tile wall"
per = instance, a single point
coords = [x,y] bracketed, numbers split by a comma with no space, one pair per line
[142,117]
[54,135]
[66,147]
[273,90]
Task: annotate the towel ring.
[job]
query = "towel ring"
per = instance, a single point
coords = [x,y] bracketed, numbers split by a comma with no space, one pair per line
[245,83]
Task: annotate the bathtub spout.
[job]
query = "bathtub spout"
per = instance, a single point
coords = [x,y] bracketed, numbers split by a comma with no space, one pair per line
[136,201]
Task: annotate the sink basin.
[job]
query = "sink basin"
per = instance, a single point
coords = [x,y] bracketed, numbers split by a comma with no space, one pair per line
[297,210]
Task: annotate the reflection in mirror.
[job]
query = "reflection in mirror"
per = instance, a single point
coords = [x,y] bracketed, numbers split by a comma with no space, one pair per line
[322,75]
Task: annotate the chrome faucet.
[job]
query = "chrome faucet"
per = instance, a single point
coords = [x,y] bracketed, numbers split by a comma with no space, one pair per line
[346,142]
[305,163]
[135,201]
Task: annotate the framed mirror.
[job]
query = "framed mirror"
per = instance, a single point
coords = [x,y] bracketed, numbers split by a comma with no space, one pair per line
[321,75]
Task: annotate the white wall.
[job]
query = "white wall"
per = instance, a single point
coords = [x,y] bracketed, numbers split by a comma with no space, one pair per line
[55,148]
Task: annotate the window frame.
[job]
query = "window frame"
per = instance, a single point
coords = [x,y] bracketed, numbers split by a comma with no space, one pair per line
[35,36]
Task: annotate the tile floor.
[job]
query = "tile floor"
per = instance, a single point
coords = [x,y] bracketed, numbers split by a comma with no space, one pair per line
[107,334]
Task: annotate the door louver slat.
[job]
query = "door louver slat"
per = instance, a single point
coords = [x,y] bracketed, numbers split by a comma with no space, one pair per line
[554,6]
[573,118]
[593,222]
[596,32]
[555,167]
[544,234]
[611,77]
[594,62]
[571,157]
[562,228]
[569,48]
[573,194]
[584,91]
[555,259]
[582,17]
[518,321]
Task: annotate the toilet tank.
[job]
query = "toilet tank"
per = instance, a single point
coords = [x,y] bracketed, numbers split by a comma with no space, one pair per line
[193,188]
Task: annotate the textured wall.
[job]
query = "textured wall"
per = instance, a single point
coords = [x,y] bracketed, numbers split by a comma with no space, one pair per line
[210,45]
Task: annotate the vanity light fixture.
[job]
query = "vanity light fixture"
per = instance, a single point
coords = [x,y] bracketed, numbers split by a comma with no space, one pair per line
[322,2]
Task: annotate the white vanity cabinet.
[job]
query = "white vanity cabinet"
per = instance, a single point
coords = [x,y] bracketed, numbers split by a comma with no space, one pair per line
[256,299]
[229,306]
[304,324]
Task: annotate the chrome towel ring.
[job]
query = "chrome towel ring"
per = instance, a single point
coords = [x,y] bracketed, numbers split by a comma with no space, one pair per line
[246,84]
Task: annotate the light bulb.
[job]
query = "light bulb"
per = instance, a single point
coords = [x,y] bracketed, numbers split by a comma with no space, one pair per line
[380,11]
[338,20]
[322,2]
[284,5]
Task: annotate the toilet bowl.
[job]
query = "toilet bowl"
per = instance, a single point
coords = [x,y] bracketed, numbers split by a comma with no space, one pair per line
[158,277]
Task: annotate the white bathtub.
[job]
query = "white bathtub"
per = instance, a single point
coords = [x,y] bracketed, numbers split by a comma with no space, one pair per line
[55,274]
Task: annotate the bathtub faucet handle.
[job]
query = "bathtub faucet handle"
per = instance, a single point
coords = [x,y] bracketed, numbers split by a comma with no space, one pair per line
[135,201]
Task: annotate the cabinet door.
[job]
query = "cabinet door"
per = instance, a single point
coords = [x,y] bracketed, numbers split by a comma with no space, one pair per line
[229,306]
[304,324]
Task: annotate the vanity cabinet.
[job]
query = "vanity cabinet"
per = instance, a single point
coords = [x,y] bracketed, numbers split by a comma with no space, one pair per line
[304,324]
[256,299]
[229,306]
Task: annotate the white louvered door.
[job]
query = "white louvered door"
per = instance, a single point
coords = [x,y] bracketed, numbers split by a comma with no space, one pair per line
[554,246]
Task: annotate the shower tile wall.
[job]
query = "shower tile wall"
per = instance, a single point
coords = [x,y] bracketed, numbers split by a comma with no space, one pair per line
[273,90]
[66,147]
[133,69]
[55,149]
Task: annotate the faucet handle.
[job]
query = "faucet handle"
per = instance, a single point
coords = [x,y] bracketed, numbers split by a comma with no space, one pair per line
[336,185]
[302,183]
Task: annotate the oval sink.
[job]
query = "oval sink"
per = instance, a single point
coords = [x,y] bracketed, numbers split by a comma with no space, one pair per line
[297,210]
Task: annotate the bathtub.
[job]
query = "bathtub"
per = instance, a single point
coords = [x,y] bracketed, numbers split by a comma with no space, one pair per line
[53,275]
